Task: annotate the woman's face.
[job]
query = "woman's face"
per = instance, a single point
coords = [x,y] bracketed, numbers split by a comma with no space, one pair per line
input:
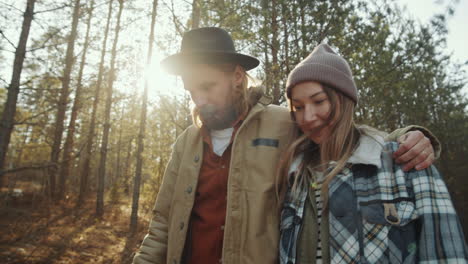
[311,107]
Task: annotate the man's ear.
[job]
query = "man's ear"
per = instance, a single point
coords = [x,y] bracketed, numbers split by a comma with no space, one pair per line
[239,74]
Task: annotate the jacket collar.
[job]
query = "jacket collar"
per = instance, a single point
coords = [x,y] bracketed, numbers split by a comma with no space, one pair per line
[368,150]
[256,94]
[259,100]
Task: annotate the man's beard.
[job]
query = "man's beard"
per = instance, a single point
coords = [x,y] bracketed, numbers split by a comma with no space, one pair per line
[217,119]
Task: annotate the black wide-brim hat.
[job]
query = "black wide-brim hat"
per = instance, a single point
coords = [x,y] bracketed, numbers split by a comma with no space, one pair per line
[210,45]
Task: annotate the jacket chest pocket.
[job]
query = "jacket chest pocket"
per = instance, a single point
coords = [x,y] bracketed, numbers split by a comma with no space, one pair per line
[258,162]
[389,232]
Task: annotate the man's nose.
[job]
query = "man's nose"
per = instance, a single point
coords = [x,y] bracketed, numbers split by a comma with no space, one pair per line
[199,100]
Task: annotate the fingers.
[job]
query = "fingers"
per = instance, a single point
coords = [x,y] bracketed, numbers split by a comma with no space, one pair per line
[415,151]
[423,160]
[402,148]
[408,141]
[426,163]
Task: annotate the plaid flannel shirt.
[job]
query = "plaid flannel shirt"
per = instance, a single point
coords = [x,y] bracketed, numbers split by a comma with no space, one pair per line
[380,214]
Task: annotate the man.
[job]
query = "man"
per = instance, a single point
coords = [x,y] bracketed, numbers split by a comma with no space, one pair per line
[217,202]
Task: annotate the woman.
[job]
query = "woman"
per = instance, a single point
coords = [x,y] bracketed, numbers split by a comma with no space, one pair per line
[346,201]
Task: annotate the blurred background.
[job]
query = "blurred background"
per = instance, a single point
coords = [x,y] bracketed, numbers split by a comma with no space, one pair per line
[88,118]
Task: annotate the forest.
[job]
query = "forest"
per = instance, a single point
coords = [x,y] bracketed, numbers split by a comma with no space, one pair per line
[88,118]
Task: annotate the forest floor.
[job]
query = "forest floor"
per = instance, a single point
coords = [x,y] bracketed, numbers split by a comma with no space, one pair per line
[41,232]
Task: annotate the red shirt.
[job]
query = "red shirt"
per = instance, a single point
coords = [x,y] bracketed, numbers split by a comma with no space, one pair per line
[205,239]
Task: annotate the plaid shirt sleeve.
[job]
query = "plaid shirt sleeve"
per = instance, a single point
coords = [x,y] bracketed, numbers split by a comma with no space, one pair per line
[440,239]
[291,221]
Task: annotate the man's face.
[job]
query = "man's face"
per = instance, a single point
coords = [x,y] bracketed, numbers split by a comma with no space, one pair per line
[211,91]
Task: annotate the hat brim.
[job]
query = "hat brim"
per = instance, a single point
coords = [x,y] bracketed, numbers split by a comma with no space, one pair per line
[176,63]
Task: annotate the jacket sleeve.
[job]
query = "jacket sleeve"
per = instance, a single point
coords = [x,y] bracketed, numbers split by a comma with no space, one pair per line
[401,131]
[153,249]
[440,236]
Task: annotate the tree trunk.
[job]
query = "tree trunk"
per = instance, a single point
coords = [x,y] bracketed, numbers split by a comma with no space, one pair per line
[90,138]
[195,14]
[296,43]
[118,171]
[128,166]
[266,44]
[8,114]
[63,101]
[18,159]
[141,134]
[286,16]
[302,9]
[67,149]
[274,53]
[105,134]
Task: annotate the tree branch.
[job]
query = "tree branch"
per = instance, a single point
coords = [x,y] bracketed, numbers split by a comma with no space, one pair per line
[53,9]
[46,46]
[24,121]
[43,166]
[49,37]
[11,43]
[33,167]
[12,6]
[3,80]
[10,51]
[178,25]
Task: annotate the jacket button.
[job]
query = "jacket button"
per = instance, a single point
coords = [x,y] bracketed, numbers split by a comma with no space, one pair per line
[181,225]
[189,190]
[197,158]
[392,219]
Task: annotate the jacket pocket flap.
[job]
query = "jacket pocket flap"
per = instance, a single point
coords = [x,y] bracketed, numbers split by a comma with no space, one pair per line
[388,212]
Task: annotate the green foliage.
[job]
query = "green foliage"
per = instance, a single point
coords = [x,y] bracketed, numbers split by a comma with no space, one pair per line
[114,194]
[168,118]
[35,153]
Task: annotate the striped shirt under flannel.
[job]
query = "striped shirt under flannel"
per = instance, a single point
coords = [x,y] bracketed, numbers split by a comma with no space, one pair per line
[380,214]
[319,206]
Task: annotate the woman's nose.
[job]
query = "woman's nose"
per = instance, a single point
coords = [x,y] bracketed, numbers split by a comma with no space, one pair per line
[310,114]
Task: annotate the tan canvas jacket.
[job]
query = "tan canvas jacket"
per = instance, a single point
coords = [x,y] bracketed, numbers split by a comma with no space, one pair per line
[251,231]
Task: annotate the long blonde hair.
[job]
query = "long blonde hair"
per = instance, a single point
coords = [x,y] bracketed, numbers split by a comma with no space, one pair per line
[338,147]
[239,93]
